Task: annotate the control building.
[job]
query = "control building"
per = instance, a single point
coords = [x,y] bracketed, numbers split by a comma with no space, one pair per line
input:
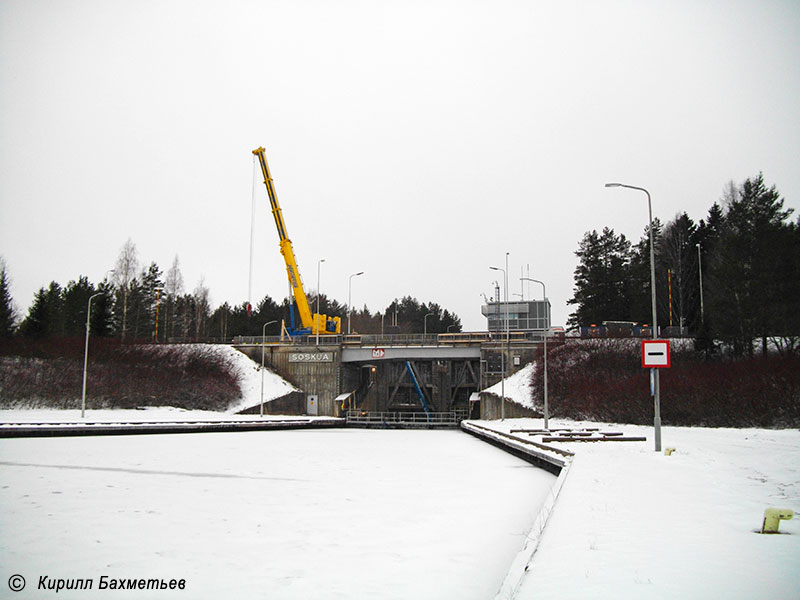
[522,316]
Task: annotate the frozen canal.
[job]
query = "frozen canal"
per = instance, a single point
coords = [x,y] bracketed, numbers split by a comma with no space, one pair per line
[294,514]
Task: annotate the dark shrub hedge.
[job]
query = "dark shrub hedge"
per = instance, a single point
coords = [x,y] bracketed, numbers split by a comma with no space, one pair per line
[49,374]
[603,380]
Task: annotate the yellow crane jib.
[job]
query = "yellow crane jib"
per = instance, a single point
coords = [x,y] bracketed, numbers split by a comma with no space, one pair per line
[316,323]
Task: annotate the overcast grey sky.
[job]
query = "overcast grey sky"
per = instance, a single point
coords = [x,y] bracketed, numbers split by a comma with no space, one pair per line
[418,141]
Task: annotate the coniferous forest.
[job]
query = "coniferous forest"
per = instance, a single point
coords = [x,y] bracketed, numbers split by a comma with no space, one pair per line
[146,305]
[746,251]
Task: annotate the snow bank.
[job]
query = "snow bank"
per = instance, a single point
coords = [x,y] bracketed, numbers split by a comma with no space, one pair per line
[518,387]
[250,380]
[247,371]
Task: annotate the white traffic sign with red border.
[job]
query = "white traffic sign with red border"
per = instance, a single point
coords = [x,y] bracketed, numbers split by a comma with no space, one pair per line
[655,354]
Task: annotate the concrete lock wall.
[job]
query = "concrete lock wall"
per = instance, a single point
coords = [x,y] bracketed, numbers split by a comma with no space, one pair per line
[319,371]
[314,370]
[293,403]
[491,409]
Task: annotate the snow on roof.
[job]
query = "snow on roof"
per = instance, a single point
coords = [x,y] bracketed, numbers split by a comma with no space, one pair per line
[518,387]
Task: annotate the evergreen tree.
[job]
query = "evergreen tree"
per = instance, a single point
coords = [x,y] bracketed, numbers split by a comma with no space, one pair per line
[678,256]
[7,313]
[601,279]
[219,322]
[640,295]
[150,291]
[748,267]
[266,311]
[706,237]
[45,316]
[135,317]
[75,300]
[102,317]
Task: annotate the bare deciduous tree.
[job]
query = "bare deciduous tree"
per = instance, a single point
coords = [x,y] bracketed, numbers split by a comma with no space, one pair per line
[173,287]
[202,305]
[124,273]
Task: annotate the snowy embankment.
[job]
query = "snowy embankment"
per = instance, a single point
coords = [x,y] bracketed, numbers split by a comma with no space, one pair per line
[250,380]
[196,377]
[630,522]
[518,387]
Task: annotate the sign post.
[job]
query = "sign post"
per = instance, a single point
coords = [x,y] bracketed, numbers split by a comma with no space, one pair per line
[655,355]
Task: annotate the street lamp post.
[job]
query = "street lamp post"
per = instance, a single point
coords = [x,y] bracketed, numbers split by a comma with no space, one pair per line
[508,336]
[263,342]
[425,326]
[502,351]
[546,333]
[349,296]
[700,268]
[316,317]
[86,351]
[158,297]
[654,372]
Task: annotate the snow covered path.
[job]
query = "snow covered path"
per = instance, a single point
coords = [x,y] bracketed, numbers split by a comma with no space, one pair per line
[633,523]
[302,514]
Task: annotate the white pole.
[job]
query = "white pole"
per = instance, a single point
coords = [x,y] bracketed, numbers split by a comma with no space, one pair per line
[503,350]
[508,342]
[86,352]
[656,383]
[316,317]
[349,296]
[700,267]
[263,342]
[546,333]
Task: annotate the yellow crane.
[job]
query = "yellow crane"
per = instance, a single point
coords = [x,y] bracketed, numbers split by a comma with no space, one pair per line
[309,324]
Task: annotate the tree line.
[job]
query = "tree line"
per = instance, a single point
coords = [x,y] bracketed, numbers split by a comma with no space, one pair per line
[146,304]
[746,252]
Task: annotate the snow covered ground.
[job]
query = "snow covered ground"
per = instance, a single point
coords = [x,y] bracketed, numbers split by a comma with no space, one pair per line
[400,514]
[301,514]
[633,523]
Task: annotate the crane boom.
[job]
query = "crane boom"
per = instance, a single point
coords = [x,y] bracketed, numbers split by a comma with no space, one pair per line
[315,323]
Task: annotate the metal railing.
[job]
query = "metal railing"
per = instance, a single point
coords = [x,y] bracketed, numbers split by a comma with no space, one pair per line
[451,418]
[401,339]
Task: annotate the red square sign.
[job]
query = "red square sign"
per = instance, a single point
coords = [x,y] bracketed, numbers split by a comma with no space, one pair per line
[655,354]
